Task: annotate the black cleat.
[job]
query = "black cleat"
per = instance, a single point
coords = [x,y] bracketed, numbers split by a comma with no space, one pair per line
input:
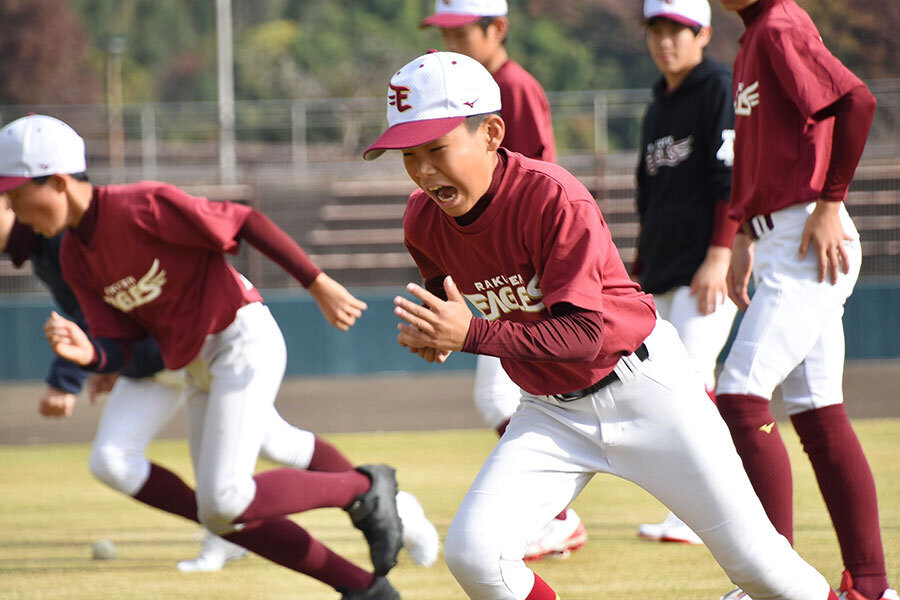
[381,589]
[375,514]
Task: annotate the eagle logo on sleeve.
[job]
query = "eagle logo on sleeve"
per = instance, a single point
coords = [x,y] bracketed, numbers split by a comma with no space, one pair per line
[746,99]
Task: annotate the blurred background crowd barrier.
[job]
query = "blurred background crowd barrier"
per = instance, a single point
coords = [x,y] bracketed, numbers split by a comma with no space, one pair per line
[300,162]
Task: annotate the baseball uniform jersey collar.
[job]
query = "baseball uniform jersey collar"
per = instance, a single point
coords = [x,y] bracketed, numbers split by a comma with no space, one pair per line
[754,10]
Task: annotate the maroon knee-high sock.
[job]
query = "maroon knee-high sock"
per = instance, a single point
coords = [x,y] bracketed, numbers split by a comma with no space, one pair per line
[281,492]
[166,491]
[284,542]
[328,458]
[848,488]
[280,540]
[541,590]
[765,458]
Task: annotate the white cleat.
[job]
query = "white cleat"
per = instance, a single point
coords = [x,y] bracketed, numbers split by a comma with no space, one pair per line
[214,553]
[672,529]
[559,538]
[420,538]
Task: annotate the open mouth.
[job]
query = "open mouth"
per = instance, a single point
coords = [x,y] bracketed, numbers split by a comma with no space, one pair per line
[443,193]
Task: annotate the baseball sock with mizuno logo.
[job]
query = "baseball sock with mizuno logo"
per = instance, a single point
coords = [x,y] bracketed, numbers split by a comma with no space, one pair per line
[765,458]
[848,488]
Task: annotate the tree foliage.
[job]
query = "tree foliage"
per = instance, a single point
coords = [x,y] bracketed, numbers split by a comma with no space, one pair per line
[55,50]
[44,54]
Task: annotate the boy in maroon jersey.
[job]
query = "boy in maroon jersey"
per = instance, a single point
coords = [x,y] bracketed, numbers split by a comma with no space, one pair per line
[148,259]
[605,384]
[801,121]
[478,28]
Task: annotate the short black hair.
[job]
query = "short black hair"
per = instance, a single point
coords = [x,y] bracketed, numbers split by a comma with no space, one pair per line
[695,28]
[83,176]
[485,22]
[473,122]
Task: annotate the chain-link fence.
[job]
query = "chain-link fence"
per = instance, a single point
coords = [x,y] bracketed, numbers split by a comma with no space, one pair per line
[299,161]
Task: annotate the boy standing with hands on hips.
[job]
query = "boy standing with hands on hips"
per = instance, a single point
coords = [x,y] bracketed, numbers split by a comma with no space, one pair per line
[606,386]
[801,122]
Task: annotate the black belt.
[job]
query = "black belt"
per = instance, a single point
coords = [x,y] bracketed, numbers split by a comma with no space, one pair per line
[642,353]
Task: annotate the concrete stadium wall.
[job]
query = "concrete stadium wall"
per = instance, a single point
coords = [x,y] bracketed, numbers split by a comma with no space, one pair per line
[871,323]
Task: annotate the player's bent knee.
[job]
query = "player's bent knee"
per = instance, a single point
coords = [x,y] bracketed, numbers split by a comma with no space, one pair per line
[467,555]
[482,568]
[119,468]
[217,509]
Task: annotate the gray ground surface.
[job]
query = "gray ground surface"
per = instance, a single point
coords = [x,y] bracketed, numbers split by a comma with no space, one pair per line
[390,402]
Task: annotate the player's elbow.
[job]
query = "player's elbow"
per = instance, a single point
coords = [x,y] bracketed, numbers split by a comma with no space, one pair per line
[869,103]
[863,104]
[583,353]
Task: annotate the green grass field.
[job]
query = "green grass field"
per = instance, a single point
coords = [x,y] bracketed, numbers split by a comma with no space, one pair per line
[51,511]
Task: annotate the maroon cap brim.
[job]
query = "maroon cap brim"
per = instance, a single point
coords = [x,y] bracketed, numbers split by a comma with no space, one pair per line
[448,20]
[411,134]
[681,20]
[9,183]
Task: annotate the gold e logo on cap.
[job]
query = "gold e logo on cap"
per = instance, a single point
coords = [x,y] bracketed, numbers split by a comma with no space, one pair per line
[401,93]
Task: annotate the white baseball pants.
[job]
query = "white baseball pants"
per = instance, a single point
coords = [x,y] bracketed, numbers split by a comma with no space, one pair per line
[137,410]
[231,388]
[655,427]
[703,336]
[792,334]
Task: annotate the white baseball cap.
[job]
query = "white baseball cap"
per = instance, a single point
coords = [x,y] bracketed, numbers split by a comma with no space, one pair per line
[430,96]
[456,13]
[687,12]
[38,145]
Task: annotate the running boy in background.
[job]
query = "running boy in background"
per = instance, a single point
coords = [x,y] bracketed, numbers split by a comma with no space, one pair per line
[606,386]
[478,29]
[146,397]
[148,259]
[801,122]
[683,187]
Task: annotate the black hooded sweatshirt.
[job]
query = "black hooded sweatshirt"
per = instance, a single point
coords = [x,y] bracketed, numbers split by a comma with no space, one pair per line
[684,170]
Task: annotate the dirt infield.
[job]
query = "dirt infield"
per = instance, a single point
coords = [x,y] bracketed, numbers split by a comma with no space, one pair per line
[389,402]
